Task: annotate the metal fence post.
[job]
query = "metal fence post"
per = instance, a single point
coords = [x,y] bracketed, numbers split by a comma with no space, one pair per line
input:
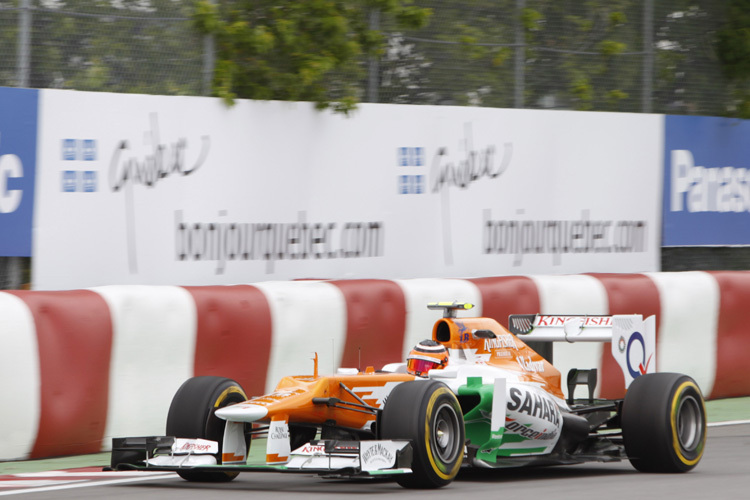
[209,63]
[520,56]
[373,64]
[11,272]
[648,57]
[14,273]
[23,64]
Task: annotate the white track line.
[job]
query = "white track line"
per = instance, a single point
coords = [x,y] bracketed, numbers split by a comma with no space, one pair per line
[150,475]
[729,422]
[84,484]
[74,474]
[26,483]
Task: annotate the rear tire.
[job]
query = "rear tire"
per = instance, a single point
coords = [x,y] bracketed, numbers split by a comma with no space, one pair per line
[664,423]
[428,414]
[191,415]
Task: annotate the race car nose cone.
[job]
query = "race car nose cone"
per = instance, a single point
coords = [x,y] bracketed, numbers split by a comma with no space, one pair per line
[242,412]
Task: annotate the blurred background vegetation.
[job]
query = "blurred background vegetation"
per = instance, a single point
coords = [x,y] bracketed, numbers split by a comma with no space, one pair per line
[661,56]
[656,56]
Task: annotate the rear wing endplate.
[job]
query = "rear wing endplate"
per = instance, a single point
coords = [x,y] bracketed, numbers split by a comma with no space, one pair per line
[633,339]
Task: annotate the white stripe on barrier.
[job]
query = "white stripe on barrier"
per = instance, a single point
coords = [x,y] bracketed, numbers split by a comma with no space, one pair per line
[686,341]
[153,353]
[419,292]
[574,294]
[19,373]
[306,317]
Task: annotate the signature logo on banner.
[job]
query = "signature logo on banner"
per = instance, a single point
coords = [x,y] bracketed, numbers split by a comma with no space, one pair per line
[469,166]
[161,161]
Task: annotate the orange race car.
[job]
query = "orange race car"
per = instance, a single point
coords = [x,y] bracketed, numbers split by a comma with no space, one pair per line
[474,394]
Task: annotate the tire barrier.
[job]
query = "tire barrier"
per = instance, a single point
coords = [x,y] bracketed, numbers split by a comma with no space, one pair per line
[79,367]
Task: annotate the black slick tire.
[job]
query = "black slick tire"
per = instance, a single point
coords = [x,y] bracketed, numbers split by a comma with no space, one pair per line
[191,415]
[664,423]
[428,414]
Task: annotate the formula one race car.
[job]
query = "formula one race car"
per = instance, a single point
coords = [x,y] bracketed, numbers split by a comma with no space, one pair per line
[474,394]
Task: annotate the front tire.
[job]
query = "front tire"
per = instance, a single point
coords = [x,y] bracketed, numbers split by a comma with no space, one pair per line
[428,414]
[664,423]
[191,415]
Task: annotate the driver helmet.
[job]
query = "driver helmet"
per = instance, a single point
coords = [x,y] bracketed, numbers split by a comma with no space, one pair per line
[425,356]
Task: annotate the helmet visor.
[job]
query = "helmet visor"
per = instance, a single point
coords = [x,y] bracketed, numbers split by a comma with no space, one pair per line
[419,366]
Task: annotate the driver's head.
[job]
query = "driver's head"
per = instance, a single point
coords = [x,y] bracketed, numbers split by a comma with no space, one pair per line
[427,355]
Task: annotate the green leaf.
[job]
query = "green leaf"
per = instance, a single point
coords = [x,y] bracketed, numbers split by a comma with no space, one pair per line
[298,49]
[611,47]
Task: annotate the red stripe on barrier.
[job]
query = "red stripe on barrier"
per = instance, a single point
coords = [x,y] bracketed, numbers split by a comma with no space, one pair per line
[234,334]
[375,322]
[627,294]
[74,332]
[733,335]
[503,296]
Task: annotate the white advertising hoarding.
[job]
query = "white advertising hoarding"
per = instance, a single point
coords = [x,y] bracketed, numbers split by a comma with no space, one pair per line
[137,189]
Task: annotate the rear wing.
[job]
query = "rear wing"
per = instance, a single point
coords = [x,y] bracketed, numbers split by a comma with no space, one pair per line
[633,339]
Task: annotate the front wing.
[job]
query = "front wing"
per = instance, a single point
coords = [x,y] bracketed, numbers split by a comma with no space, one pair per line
[329,458]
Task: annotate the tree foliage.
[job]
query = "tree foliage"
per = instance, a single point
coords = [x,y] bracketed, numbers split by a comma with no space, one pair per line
[733,45]
[733,40]
[576,54]
[298,50]
[145,46]
[467,56]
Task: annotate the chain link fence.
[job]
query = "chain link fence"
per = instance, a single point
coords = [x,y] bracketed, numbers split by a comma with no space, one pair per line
[616,55]
[645,56]
[133,46]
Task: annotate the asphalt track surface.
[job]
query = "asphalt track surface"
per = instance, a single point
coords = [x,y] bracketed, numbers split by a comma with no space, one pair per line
[724,472]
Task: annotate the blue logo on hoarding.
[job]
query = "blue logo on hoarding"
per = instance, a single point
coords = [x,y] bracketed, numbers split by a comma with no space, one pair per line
[89,150]
[79,149]
[69,149]
[411,184]
[69,181]
[88,181]
[410,157]
[18,125]
[79,181]
[706,181]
